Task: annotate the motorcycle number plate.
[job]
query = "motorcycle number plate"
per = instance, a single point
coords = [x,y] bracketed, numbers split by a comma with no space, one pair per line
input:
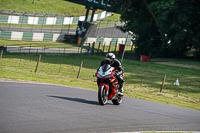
[103,74]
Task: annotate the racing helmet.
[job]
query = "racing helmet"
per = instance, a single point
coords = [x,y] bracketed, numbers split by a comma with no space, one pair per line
[110,57]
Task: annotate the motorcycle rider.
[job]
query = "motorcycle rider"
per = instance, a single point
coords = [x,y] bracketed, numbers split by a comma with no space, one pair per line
[112,61]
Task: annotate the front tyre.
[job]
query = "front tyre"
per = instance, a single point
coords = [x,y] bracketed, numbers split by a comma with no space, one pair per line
[102,96]
[117,101]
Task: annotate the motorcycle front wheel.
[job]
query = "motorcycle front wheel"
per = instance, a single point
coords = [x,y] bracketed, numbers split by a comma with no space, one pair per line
[102,96]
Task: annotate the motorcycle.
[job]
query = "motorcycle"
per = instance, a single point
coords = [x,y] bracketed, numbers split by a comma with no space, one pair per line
[108,85]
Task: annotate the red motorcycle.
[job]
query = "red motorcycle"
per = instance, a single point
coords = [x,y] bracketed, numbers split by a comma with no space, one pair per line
[108,85]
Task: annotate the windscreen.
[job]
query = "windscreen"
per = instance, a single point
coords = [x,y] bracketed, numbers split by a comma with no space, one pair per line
[106,67]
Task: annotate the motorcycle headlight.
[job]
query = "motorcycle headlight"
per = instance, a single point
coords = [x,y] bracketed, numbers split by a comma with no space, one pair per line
[98,76]
[108,76]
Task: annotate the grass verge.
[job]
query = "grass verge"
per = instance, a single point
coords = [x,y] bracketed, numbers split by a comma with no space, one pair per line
[143,79]
[46,6]
[38,44]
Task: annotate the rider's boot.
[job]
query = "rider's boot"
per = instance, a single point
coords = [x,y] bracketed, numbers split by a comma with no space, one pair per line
[121,90]
[121,82]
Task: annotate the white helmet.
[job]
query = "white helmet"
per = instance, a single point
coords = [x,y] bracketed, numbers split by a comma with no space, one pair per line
[110,58]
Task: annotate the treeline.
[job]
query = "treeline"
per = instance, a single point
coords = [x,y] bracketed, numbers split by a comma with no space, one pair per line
[162,28]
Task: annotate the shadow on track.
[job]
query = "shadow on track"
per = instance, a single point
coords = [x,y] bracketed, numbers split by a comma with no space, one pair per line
[77,100]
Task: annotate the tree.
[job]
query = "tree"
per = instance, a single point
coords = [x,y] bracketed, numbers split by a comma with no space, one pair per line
[163,28]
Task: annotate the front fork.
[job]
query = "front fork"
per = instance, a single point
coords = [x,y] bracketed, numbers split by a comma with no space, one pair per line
[106,88]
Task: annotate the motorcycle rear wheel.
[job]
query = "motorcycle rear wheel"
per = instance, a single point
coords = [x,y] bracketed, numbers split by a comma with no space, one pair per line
[102,97]
[117,101]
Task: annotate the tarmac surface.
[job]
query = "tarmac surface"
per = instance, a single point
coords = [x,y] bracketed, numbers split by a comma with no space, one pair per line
[35,107]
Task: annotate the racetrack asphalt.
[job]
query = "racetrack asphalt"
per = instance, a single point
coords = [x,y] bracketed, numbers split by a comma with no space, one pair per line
[34,107]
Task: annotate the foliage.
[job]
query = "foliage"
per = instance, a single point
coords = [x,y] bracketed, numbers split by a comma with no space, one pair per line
[162,28]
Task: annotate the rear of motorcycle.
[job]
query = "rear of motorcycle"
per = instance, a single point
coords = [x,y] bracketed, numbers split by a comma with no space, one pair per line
[118,100]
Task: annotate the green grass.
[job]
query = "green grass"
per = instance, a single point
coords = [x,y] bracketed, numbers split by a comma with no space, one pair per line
[39,44]
[59,45]
[109,21]
[52,6]
[114,18]
[58,26]
[143,79]
[46,6]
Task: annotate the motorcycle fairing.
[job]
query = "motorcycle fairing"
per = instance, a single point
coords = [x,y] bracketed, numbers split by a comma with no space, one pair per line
[106,86]
[114,84]
[105,71]
[111,91]
[114,89]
